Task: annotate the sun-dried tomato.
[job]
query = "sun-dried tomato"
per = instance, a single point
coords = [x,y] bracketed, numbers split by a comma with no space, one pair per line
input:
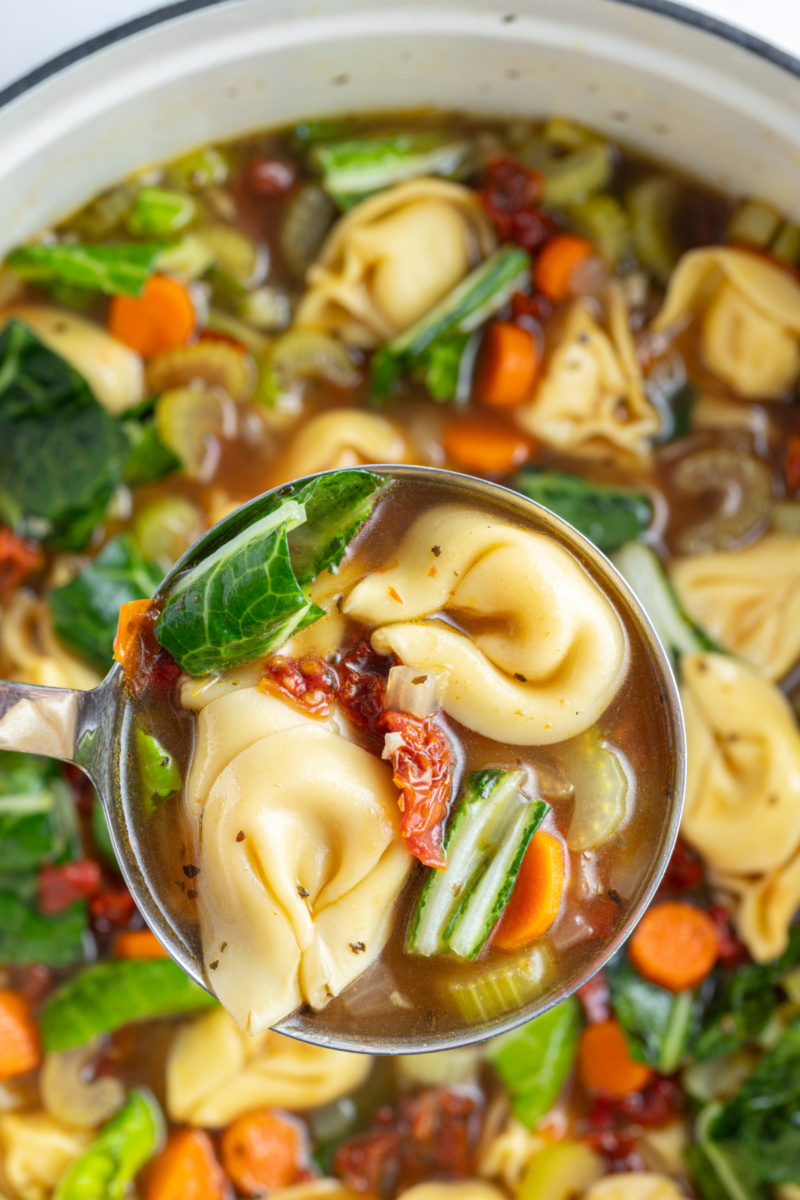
[535,308]
[732,952]
[112,906]
[430,1135]
[617,1147]
[135,645]
[18,560]
[614,1125]
[269,176]
[361,686]
[58,887]
[164,674]
[659,1102]
[684,870]
[423,771]
[595,998]
[308,682]
[791,468]
[510,196]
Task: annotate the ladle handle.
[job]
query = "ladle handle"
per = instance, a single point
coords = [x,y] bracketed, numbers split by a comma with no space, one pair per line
[39,720]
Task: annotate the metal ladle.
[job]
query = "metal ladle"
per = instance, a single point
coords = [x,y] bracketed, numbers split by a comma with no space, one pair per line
[84,728]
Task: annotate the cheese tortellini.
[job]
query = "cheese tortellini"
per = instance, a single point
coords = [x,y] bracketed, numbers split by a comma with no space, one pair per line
[591,396]
[30,652]
[344,437]
[748,600]
[742,808]
[302,858]
[215,1072]
[391,258]
[750,318]
[35,1151]
[556,655]
[634,1185]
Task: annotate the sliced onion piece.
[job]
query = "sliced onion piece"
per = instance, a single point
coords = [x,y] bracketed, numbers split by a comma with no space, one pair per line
[188,421]
[311,354]
[601,790]
[415,692]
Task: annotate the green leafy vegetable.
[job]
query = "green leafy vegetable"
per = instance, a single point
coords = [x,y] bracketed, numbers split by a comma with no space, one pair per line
[250,595]
[609,516]
[27,936]
[108,995]
[38,824]
[85,611]
[61,453]
[112,269]
[445,368]
[158,212]
[148,458]
[534,1061]
[107,1169]
[158,771]
[658,1024]
[721,1171]
[483,293]
[100,835]
[355,168]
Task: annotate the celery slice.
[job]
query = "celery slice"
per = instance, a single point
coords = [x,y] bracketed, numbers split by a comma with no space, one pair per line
[489,994]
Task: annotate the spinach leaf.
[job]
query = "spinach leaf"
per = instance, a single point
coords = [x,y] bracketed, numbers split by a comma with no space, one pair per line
[112,269]
[61,453]
[85,611]
[249,596]
[158,772]
[608,516]
[148,458]
[658,1024]
[445,368]
[108,995]
[107,1169]
[27,936]
[534,1061]
[38,823]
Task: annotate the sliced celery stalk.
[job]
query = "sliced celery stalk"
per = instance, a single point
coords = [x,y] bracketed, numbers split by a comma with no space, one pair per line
[651,204]
[489,994]
[753,224]
[603,220]
[362,165]
[158,212]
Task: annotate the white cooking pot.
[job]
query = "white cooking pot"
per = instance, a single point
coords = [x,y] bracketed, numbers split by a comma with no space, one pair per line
[667,81]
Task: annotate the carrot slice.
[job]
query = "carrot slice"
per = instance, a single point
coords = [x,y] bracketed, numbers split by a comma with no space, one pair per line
[262,1150]
[536,896]
[19,1037]
[187,1169]
[555,265]
[507,366]
[484,446]
[160,319]
[675,945]
[605,1063]
[138,943]
[133,620]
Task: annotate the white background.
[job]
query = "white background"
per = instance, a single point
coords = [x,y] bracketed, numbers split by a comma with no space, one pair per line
[40,29]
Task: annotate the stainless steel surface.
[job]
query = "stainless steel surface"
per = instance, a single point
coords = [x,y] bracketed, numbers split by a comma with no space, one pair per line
[85,728]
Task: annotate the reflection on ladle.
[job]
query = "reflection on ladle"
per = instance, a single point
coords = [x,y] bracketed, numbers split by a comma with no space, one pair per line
[331,722]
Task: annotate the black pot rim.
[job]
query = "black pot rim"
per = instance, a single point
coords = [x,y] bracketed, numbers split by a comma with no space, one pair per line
[169,12]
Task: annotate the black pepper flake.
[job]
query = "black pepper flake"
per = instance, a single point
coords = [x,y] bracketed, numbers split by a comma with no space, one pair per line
[180,885]
[339,602]
[223,946]
[357,947]
[213,966]
[190,870]
[419,679]
[241,835]
[191,894]
[521,678]
[614,896]
[301,891]
[436,551]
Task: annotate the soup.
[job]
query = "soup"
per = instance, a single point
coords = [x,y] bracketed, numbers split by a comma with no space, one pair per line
[522,301]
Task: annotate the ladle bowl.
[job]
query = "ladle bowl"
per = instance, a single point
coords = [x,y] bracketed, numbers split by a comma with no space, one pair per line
[84,728]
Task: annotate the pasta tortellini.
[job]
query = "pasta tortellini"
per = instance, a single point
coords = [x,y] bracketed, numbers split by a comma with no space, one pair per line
[30,652]
[750,318]
[113,371]
[215,1072]
[302,857]
[591,396]
[344,437]
[391,258]
[742,808]
[634,1185]
[766,907]
[35,1151]
[557,654]
[748,600]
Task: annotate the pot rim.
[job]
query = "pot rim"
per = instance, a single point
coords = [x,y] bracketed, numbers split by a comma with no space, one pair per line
[681,13]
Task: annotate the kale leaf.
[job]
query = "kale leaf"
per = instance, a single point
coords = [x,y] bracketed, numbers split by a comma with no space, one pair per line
[61,453]
[38,824]
[27,936]
[85,611]
[113,269]
[658,1024]
[250,594]
[608,516]
[148,458]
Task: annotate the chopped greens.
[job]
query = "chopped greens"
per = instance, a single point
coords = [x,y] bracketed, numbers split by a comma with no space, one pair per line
[108,268]
[250,595]
[61,453]
[85,611]
[534,1061]
[27,936]
[358,166]
[158,212]
[148,458]
[108,995]
[470,304]
[158,771]
[106,1170]
[658,1024]
[609,516]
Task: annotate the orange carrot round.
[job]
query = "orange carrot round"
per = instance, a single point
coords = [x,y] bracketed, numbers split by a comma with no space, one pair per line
[605,1063]
[133,617]
[138,943]
[536,896]
[160,319]
[187,1169]
[262,1150]
[675,945]
[558,260]
[485,447]
[507,366]
[19,1037]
